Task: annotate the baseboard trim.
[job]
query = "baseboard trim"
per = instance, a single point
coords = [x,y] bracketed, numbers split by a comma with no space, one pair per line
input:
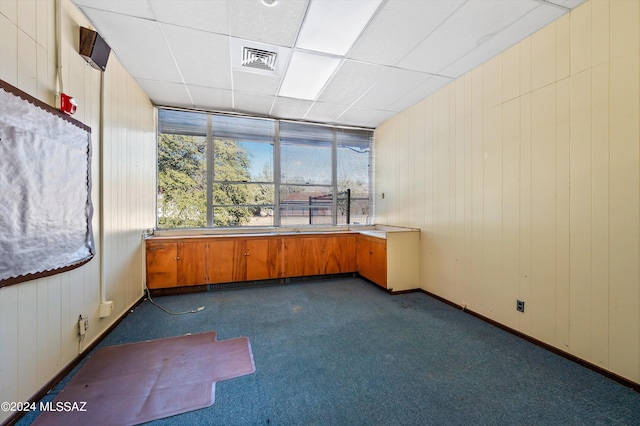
[12,420]
[613,376]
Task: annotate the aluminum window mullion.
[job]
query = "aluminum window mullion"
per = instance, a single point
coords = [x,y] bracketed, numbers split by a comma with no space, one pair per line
[276,174]
[210,172]
[334,178]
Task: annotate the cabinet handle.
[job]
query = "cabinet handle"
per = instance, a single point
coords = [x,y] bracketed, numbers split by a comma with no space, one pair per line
[177,258]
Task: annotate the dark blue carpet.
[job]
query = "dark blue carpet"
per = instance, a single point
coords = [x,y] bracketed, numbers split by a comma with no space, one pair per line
[344,352]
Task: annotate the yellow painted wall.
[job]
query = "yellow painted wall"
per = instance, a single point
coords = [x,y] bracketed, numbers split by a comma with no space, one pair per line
[38,318]
[524,177]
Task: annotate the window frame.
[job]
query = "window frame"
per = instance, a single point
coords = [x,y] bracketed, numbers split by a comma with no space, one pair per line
[277,183]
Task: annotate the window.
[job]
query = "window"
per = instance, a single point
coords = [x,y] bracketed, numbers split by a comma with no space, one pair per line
[228,171]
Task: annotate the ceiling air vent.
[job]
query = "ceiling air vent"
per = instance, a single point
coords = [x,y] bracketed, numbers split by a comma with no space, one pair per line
[261,59]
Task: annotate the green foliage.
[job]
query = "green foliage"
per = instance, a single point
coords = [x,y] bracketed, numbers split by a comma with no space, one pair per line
[231,163]
[182,180]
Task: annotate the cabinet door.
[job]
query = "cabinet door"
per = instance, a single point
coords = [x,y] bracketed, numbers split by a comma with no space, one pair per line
[379,262]
[225,260]
[340,254]
[162,268]
[192,266]
[302,256]
[364,262]
[262,257]
[372,259]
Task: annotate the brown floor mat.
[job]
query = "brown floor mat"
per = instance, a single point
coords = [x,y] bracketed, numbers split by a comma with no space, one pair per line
[139,382]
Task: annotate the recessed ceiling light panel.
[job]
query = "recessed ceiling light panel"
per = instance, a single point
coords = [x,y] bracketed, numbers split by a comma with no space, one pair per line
[333,26]
[307,74]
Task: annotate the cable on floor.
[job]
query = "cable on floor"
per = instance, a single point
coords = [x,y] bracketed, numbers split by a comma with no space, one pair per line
[193,311]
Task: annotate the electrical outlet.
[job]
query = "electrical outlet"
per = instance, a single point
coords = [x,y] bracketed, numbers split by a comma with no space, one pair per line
[83,325]
[520,305]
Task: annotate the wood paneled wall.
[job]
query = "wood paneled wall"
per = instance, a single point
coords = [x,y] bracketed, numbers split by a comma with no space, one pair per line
[38,318]
[524,177]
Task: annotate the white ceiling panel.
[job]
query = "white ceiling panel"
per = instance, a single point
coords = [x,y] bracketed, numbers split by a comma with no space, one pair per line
[190,53]
[393,85]
[203,57]
[166,93]
[429,87]
[325,113]
[365,117]
[569,4]
[294,109]
[279,25]
[350,81]
[463,32]
[139,44]
[248,82]
[214,99]
[206,15]
[399,27]
[135,8]
[528,24]
[249,103]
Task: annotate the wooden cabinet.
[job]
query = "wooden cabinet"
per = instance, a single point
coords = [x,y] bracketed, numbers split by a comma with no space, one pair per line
[372,259]
[302,256]
[191,263]
[224,260]
[233,259]
[162,264]
[262,258]
[197,261]
[173,264]
[390,259]
[319,255]
[340,254]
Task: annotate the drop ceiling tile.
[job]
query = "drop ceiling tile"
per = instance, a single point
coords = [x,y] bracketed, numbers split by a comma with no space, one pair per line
[294,109]
[571,4]
[364,117]
[527,25]
[279,24]
[259,105]
[203,57]
[325,113]
[350,81]
[204,15]
[248,82]
[399,27]
[136,8]
[395,84]
[167,94]
[463,32]
[138,43]
[429,87]
[211,99]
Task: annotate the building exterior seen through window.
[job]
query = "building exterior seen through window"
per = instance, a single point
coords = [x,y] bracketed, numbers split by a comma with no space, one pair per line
[229,171]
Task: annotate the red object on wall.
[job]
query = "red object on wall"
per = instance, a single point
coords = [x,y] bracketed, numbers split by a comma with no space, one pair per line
[68,105]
